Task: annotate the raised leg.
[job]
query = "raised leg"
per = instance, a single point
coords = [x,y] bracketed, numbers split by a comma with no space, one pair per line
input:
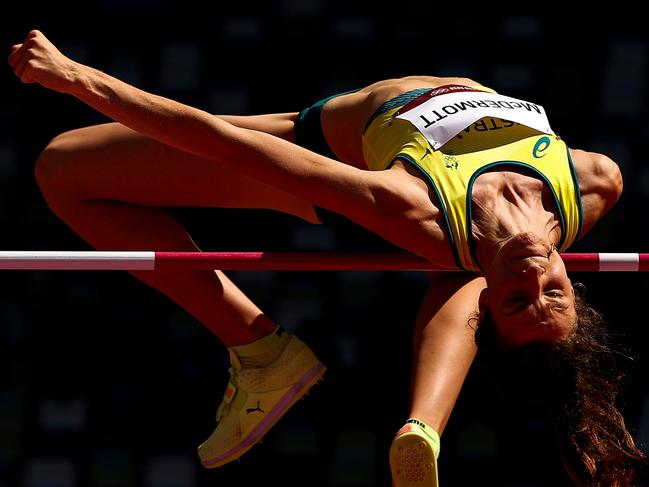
[444,348]
[109,184]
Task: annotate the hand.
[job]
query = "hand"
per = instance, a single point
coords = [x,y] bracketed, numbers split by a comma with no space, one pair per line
[37,60]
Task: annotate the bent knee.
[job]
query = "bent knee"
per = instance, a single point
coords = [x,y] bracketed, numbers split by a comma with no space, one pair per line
[56,162]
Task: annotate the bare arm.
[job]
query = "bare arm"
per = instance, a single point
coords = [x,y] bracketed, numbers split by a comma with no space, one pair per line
[323,181]
[600,184]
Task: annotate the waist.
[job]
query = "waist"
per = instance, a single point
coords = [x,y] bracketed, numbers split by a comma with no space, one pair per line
[396,102]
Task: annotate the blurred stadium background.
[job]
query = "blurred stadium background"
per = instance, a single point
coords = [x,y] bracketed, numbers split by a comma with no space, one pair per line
[105,383]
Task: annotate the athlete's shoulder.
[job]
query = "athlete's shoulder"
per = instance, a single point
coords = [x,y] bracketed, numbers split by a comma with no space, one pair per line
[600,185]
[597,173]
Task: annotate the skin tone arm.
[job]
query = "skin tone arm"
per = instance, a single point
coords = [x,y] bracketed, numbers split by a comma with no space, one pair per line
[325,182]
[600,184]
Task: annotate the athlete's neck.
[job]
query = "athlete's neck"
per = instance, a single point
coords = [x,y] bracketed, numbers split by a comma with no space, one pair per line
[505,204]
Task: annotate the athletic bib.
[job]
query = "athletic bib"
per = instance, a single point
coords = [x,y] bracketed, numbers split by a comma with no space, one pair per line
[444,112]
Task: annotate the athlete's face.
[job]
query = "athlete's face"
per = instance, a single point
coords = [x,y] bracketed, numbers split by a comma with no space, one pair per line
[529,295]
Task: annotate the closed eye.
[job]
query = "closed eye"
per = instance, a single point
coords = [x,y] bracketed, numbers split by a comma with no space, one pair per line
[518,302]
[558,302]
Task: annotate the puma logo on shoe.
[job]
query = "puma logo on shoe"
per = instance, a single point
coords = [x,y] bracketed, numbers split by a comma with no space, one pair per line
[417,422]
[252,410]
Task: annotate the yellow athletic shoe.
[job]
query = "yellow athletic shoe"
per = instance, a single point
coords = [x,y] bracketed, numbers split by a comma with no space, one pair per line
[256,398]
[413,456]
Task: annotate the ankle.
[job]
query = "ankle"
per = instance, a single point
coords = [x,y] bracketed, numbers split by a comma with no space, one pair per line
[430,432]
[261,352]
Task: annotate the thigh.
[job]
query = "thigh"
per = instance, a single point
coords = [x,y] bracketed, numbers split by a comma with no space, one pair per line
[449,311]
[444,346]
[113,162]
[451,300]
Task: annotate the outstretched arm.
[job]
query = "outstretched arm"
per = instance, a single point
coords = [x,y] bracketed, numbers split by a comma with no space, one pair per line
[325,182]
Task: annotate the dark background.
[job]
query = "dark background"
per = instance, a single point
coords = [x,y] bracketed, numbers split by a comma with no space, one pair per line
[106,383]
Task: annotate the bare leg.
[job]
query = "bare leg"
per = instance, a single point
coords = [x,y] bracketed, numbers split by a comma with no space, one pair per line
[108,183]
[444,347]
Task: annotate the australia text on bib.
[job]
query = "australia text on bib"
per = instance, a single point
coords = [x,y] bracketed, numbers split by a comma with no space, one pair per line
[448,110]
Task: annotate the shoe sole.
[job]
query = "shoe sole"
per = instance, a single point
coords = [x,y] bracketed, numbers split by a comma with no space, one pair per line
[299,389]
[412,462]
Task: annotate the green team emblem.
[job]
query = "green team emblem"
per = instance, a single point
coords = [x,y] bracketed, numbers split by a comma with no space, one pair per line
[540,147]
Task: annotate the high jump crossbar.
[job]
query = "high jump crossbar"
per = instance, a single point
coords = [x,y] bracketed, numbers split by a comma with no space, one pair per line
[304,261]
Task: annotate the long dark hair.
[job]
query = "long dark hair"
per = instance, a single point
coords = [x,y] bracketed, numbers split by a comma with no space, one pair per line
[580,380]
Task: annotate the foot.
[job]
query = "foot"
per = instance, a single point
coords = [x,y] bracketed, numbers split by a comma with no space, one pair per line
[413,456]
[256,398]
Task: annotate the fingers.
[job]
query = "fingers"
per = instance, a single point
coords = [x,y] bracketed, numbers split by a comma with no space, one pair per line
[20,67]
[18,50]
[18,61]
[19,57]
[37,59]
